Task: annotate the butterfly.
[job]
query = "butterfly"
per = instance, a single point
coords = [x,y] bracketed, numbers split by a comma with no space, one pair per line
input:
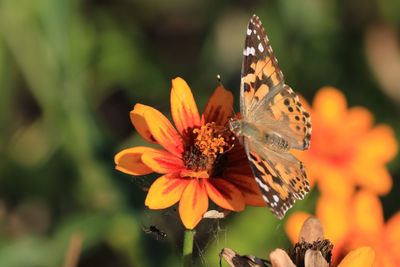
[273,121]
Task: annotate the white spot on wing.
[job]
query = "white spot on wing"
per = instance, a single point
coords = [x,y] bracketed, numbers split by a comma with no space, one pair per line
[260,47]
[262,185]
[249,51]
[248,31]
[276,198]
[265,199]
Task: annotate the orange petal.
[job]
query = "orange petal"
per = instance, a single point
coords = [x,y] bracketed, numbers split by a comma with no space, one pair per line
[138,120]
[293,225]
[379,145]
[384,259]
[358,121]
[193,204]
[334,215]
[183,107]
[165,192]
[376,148]
[162,161]
[391,236]
[376,179]
[249,188]
[367,215]
[219,107]
[361,257]
[163,131]
[224,194]
[330,105]
[129,161]
[334,183]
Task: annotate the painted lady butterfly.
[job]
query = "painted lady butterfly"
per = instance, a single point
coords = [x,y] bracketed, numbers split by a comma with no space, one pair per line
[273,122]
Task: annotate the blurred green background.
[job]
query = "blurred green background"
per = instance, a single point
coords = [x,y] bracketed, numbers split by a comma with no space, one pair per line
[70,72]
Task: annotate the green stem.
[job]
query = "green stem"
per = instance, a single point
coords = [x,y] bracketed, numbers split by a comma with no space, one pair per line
[188,248]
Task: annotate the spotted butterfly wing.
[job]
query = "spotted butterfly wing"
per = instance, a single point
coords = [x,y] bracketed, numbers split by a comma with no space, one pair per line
[273,122]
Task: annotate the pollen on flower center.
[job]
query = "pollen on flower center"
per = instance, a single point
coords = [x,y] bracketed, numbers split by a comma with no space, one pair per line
[204,149]
[208,142]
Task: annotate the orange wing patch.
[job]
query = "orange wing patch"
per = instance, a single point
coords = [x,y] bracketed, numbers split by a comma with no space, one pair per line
[260,69]
[276,194]
[286,106]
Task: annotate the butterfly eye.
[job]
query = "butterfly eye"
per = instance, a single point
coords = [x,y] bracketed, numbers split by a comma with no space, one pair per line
[235,126]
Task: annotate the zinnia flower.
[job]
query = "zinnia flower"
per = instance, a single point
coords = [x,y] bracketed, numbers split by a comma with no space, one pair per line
[347,150]
[312,250]
[353,223]
[200,159]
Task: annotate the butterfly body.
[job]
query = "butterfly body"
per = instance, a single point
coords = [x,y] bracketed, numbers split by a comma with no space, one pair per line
[258,133]
[273,122]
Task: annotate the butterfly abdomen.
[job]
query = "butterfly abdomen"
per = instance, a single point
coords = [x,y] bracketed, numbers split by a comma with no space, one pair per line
[276,142]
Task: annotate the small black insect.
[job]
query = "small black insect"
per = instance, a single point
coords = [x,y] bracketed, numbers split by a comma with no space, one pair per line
[153,230]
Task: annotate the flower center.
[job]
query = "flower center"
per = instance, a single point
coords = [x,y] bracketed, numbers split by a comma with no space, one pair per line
[205,147]
[297,254]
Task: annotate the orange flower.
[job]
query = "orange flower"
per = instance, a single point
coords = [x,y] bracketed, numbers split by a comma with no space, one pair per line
[312,249]
[354,223]
[347,150]
[200,159]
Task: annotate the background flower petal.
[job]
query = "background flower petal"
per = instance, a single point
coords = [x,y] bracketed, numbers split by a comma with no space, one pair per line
[361,257]
[367,215]
[334,216]
[224,194]
[379,145]
[358,121]
[193,203]
[391,236]
[219,107]
[138,120]
[165,192]
[183,107]
[129,161]
[162,161]
[330,104]
[333,182]
[374,178]
[163,131]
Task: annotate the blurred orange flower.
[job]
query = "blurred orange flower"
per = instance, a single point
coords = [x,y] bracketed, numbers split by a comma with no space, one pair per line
[347,150]
[199,160]
[353,223]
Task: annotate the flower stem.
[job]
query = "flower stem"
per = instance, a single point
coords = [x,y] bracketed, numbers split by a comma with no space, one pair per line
[188,247]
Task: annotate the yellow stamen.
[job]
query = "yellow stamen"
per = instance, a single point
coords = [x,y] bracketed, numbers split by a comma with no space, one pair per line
[207,145]
[208,141]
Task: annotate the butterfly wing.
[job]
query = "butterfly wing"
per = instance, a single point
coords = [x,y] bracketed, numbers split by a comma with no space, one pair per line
[285,115]
[261,75]
[266,101]
[280,176]
[264,95]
